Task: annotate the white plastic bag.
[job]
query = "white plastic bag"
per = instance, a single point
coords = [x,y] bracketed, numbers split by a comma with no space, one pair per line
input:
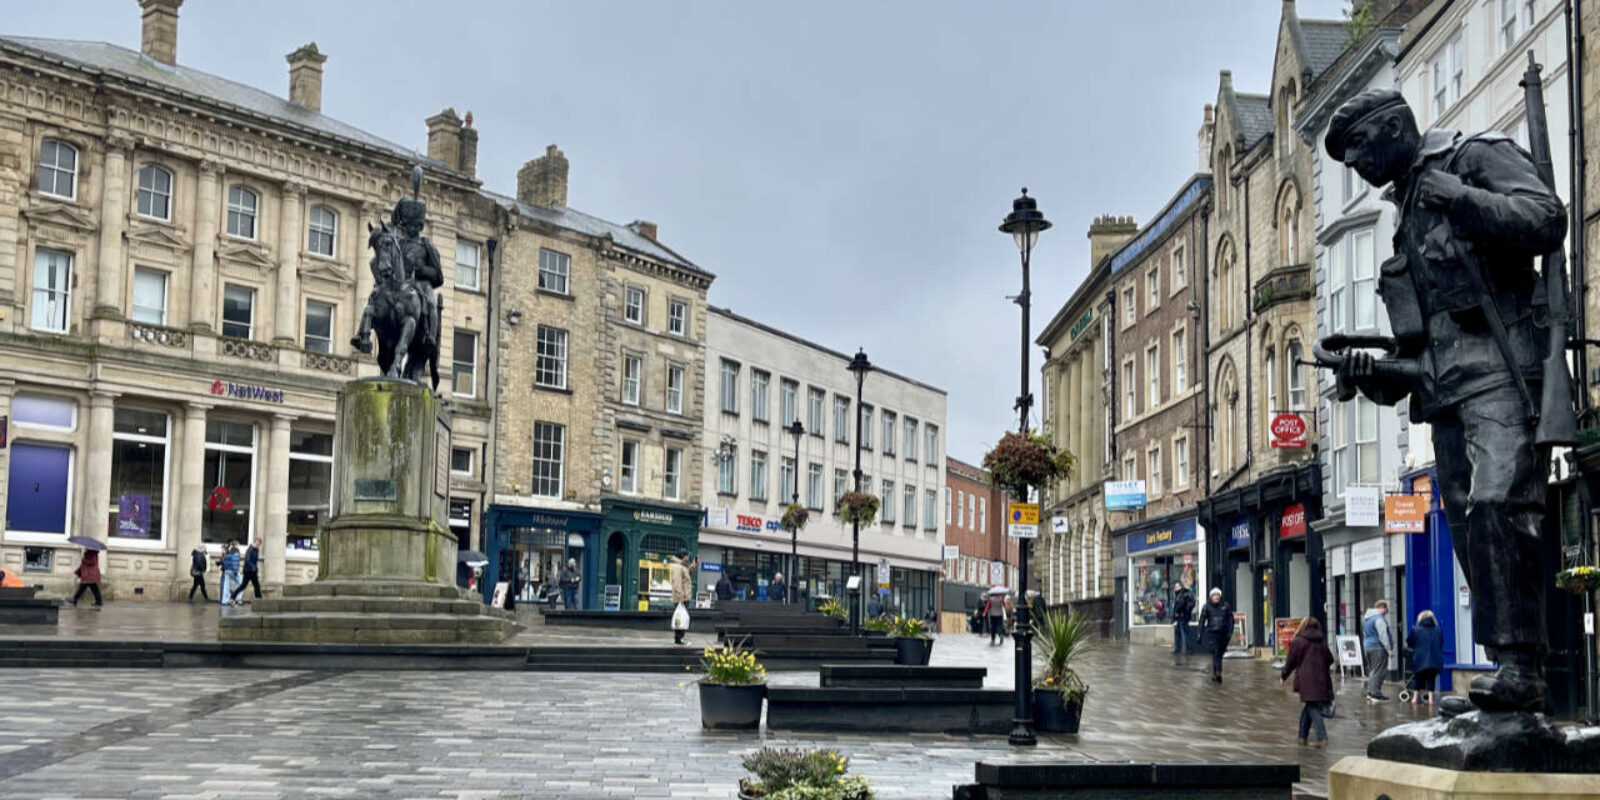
[680,618]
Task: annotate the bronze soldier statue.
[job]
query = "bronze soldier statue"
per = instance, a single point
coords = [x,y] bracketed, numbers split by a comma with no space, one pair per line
[1462,293]
[403,305]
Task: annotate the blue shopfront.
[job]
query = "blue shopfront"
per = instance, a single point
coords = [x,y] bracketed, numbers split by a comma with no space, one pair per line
[1162,554]
[527,547]
[1434,582]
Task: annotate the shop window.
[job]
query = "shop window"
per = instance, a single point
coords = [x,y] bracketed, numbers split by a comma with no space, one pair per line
[140,444]
[310,487]
[149,296]
[38,559]
[38,489]
[58,169]
[155,192]
[52,290]
[229,482]
[1154,579]
[319,327]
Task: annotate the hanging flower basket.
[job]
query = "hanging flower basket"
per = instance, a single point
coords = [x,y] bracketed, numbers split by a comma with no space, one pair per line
[1022,461]
[795,517]
[1579,580]
[857,507]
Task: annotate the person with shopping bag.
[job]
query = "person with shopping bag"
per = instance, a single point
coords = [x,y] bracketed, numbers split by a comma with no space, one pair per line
[682,593]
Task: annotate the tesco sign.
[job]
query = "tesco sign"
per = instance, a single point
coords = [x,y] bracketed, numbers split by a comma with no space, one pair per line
[1289,431]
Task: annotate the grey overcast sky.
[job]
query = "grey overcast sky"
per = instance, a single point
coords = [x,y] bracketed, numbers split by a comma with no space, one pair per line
[841,166]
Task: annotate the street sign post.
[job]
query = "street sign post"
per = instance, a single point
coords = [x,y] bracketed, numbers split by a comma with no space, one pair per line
[1022,520]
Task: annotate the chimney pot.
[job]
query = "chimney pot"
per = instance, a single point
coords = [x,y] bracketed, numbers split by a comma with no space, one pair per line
[305,76]
[158,37]
[543,181]
[444,137]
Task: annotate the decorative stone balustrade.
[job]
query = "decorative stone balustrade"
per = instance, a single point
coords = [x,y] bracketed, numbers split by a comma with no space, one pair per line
[246,349]
[322,362]
[158,334]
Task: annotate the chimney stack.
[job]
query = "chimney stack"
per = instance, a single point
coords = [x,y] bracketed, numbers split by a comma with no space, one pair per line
[543,181]
[1107,233]
[645,229]
[444,137]
[1208,128]
[159,37]
[305,76]
[469,148]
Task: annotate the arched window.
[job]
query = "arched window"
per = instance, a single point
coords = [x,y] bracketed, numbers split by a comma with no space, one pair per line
[58,169]
[1225,288]
[1269,370]
[1225,422]
[1224,161]
[324,224]
[1288,221]
[155,192]
[241,212]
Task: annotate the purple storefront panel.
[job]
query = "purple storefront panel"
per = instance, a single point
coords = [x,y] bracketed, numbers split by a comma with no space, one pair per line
[36,488]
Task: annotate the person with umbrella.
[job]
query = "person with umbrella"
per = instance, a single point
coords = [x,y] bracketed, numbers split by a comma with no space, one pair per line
[88,573]
[994,608]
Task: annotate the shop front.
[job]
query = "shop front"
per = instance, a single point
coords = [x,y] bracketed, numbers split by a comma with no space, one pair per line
[527,547]
[1238,567]
[1297,570]
[636,544]
[1161,557]
[1274,566]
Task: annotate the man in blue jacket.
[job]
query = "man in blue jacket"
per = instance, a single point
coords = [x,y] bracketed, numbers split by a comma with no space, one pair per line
[252,572]
[1377,643]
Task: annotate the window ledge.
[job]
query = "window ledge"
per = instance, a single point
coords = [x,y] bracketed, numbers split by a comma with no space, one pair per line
[555,294]
[539,387]
[477,290]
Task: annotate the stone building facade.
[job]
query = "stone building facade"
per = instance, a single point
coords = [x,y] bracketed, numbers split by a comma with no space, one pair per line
[1073,563]
[181,271]
[1262,321]
[600,362]
[1157,410]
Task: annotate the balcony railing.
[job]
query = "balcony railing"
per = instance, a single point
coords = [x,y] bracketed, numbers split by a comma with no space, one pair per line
[323,362]
[246,349]
[1283,285]
[158,334]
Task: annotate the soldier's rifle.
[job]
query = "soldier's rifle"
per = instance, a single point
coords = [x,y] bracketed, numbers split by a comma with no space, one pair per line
[1557,421]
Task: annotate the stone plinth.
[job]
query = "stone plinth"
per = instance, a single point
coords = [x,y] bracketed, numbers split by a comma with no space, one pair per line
[1363,778]
[387,559]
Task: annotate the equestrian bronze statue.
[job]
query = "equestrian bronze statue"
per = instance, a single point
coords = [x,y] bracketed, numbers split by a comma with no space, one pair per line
[403,309]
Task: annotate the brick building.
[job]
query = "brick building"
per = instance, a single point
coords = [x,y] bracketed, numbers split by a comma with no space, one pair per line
[1157,409]
[974,524]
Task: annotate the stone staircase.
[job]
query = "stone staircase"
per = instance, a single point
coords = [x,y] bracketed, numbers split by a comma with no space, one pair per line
[63,653]
[613,659]
[371,612]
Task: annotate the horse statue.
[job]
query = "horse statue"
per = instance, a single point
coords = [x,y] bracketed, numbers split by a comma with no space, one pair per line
[395,313]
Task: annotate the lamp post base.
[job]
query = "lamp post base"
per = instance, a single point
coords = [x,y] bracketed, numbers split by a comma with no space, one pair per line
[1022,734]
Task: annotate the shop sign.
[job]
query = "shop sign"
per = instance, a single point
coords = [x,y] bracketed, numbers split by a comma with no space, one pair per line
[1293,522]
[952,552]
[1286,629]
[245,391]
[1289,431]
[711,566]
[1152,538]
[1125,495]
[1405,513]
[1058,524]
[1349,651]
[547,521]
[613,601]
[1083,322]
[1361,504]
[133,516]
[658,517]
[1022,520]
[1239,534]
[747,522]
[1366,555]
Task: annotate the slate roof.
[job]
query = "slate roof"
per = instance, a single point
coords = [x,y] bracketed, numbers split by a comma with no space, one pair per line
[1255,117]
[1325,42]
[135,66]
[622,235]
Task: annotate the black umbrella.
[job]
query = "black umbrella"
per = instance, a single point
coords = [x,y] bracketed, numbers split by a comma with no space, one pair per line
[87,543]
[472,558]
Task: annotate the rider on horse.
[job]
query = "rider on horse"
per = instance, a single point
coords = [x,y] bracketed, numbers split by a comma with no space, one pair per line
[421,267]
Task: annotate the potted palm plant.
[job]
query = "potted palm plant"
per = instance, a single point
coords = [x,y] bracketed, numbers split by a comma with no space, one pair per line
[913,645]
[1058,691]
[832,609]
[801,775]
[732,689]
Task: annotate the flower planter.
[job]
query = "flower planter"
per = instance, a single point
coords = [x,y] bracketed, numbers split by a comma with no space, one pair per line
[873,634]
[724,707]
[912,652]
[1052,714]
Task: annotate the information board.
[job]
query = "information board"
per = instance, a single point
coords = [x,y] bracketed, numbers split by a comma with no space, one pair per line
[613,599]
[1285,630]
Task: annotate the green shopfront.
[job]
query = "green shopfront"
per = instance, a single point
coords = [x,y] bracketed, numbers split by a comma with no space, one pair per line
[636,542]
[536,542]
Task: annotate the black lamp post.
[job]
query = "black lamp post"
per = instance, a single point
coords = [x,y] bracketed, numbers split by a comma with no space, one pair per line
[1024,223]
[860,366]
[796,430]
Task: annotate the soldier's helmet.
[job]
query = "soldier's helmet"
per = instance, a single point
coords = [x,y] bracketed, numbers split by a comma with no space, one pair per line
[409,210]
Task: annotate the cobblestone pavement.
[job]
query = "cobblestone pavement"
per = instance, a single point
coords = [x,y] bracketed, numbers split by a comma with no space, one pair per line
[83,733]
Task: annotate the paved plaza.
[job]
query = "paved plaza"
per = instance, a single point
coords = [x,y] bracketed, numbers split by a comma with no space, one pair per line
[87,733]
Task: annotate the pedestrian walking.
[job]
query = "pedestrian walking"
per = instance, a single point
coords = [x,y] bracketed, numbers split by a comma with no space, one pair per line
[1377,644]
[1216,627]
[1310,662]
[252,572]
[874,608]
[569,580]
[777,590]
[682,593]
[230,571]
[1182,610]
[1427,656]
[198,566]
[88,573]
[724,589]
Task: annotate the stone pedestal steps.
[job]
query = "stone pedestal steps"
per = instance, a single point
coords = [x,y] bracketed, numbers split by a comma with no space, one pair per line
[371,612]
[47,653]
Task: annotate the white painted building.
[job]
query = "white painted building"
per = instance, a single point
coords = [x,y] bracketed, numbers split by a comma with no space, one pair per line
[761,380]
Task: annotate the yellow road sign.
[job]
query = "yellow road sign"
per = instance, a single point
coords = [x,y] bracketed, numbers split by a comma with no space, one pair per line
[1023,513]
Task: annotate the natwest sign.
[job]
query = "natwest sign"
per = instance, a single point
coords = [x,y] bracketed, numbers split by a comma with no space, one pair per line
[1289,430]
[1293,522]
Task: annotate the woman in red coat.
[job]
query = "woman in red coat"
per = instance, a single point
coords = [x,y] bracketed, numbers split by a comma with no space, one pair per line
[1310,661]
[88,573]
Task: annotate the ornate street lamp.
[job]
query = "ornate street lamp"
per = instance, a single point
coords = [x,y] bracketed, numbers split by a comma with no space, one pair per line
[860,366]
[1024,223]
[796,430]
